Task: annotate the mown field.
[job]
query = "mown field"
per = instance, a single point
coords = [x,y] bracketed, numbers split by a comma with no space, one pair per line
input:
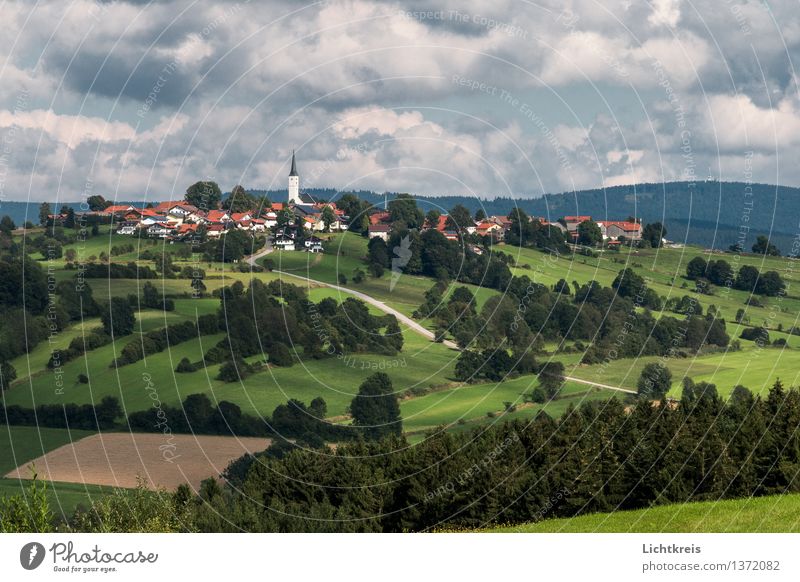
[771,514]
[21,444]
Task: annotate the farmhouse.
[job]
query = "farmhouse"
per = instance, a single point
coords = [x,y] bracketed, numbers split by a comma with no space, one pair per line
[380,231]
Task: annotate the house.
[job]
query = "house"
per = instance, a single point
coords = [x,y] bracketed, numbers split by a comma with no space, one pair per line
[381,217]
[258,225]
[451,234]
[161,230]
[217,216]
[312,241]
[127,227]
[614,229]
[284,242]
[380,231]
[241,217]
[183,213]
[215,230]
[270,219]
[119,210]
[490,228]
[150,217]
[317,248]
[572,223]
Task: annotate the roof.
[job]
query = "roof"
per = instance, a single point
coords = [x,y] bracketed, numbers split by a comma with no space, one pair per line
[166,205]
[487,224]
[294,167]
[625,225]
[216,215]
[578,219]
[441,224]
[277,206]
[237,216]
[379,217]
[379,228]
[118,208]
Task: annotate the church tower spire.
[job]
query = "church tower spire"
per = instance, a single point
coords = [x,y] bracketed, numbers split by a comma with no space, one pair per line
[294,184]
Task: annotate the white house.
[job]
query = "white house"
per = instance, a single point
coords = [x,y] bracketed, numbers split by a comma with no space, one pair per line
[379,231]
[127,228]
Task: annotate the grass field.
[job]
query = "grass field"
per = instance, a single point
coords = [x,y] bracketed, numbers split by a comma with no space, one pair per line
[22,444]
[665,268]
[772,514]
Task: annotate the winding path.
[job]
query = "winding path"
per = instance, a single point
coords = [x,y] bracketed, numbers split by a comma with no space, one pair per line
[404,319]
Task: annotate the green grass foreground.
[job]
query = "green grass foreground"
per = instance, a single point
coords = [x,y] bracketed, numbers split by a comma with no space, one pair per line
[770,514]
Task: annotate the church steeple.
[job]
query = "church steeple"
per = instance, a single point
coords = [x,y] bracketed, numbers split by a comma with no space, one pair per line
[294,184]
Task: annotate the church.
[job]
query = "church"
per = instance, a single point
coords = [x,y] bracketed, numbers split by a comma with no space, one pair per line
[297,198]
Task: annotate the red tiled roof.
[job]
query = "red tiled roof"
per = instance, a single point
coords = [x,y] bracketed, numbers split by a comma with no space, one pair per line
[379,228]
[118,208]
[622,224]
[378,217]
[166,205]
[216,215]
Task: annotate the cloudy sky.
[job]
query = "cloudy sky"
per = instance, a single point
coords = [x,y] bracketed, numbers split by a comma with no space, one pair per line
[136,100]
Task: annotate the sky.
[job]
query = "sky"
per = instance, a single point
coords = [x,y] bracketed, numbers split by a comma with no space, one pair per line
[137,100]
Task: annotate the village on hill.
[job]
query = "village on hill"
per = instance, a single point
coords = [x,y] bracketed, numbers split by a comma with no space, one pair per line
[293,223]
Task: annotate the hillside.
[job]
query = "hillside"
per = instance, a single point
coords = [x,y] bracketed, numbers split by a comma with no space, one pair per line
[770,514]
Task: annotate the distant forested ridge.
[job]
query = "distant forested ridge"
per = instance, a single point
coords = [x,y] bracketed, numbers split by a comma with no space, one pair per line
[711,214]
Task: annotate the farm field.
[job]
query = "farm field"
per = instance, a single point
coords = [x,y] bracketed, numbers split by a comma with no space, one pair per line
[118,459]
[20,445]
[771,514]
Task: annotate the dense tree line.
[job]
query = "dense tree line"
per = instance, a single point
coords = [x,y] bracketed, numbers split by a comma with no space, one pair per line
[102,416]
[719,272]
[598,457]
[160,339]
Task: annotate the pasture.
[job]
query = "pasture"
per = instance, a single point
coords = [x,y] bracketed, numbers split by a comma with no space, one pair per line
[771,514]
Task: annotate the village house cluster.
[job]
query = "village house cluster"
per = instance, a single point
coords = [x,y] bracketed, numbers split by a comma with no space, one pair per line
[614,232]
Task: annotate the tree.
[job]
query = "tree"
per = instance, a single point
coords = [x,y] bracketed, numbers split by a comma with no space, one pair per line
[7,375]
[404,209]
[204,195]
[696,269]
[239,200]
[97,203]
[119,318]
[654,233]
[551,378]
[44,213]
[69,220]
[720,272]
[628,283]
[70,255]
[589,233]
[764,247]
[654,382]
[6,224]
[770,284]
[480,215]
[460,218]
[375,409]
[747,278]
[328,217]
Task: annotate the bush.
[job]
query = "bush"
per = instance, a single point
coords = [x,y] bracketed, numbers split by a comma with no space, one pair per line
[756,334]
[185,366]
[280,355]
[83,379]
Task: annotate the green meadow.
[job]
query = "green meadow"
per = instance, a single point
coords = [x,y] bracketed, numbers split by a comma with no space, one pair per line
[771,514]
